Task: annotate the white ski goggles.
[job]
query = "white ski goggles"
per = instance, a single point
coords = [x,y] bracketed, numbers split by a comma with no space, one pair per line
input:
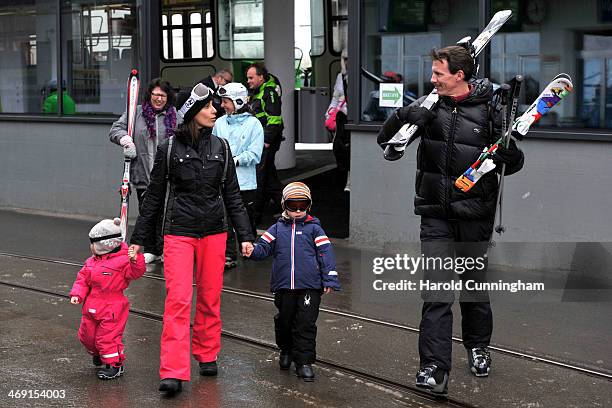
[198,93]
[235,95]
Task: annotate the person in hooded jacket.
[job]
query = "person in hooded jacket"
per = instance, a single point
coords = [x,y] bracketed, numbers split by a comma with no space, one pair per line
[304,268]
[453,223]
[193,186]
[154,123]
[99,287]
[246,138]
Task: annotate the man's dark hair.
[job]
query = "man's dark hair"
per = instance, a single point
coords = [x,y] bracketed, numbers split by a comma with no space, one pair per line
[260,68]
[458,58]
[164,86]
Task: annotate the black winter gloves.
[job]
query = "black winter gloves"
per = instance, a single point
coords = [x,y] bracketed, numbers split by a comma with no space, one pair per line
[508,156]
[416,115]
[389,128]
[512,156]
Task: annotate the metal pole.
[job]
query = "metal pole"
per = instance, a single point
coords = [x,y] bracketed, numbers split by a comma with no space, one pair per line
[500,228]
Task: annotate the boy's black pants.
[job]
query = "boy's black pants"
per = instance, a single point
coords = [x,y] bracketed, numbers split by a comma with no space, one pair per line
[295,323]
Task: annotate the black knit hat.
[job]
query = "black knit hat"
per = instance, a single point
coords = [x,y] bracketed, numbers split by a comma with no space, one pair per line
[189,103]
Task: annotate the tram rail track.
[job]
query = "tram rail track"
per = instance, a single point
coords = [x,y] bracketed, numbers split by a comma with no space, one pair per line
[389,384]
[358,317]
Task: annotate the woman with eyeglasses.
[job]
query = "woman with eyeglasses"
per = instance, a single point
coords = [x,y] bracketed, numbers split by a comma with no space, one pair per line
[245,135]
[154,122]
[193,186]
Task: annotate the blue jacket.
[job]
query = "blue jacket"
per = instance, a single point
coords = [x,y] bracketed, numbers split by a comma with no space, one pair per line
[246,138]
[303,255]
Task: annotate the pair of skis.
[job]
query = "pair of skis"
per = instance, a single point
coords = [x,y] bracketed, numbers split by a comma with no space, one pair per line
[554,92]
[133,86]
[395,147]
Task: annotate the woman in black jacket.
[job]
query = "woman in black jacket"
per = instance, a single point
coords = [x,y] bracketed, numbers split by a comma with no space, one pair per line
[203,188]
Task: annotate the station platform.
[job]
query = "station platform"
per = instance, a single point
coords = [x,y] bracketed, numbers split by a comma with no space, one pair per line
[546,352]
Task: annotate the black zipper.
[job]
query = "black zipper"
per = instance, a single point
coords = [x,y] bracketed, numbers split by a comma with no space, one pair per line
[449,151]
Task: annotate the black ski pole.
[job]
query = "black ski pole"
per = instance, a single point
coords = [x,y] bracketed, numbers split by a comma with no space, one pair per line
[518,80]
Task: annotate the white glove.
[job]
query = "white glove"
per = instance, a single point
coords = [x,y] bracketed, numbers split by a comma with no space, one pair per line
[129,151]
[129,148]
[125,141]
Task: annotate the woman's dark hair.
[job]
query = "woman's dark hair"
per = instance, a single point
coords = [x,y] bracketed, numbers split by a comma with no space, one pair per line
[191,129]
[458,58]
[164,86]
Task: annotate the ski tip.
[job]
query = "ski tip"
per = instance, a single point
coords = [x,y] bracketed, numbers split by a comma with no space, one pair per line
[391,154]
[564,76]
[134,71]
[503,14]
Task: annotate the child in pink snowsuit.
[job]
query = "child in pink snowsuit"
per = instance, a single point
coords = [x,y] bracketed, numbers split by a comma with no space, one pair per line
[100,285]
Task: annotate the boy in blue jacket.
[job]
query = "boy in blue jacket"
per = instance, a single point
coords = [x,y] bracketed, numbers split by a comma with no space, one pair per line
[304,268]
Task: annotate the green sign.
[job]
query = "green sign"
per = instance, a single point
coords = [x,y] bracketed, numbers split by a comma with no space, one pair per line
[392,95]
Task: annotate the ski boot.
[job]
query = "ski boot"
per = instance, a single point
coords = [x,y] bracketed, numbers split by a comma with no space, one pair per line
[433,379]
[110,372]
[305,372]
[479,361]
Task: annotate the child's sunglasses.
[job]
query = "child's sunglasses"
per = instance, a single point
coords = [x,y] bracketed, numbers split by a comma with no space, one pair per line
[297,205]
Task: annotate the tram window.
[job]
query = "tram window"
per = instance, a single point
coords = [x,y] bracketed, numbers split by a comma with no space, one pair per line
[317,27]
[26,55]
[188,36]
[241,33]
[195,18]
[99,53]
[338,20]
[196,43]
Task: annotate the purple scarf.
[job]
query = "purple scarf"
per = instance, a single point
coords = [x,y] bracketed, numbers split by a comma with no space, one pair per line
[149,116]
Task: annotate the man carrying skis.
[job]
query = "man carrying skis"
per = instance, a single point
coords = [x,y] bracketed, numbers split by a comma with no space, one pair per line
[453,223]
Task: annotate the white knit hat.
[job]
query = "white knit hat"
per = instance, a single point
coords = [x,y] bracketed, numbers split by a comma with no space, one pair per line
[105,236]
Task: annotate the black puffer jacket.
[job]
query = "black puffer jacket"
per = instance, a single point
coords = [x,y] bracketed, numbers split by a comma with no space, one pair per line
[451,143]
[196,206]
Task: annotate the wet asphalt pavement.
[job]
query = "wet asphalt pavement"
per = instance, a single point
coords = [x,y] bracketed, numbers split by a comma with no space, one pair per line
[39,348]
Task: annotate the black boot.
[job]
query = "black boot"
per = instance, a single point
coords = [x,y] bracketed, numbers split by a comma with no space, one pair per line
[230,262]
[284,361]
[208,369]
[97,361]
[171,385]
[109,372]
[305,372]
